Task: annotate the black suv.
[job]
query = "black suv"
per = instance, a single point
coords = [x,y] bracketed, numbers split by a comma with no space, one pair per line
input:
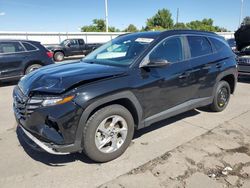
[20,57]
[131,82]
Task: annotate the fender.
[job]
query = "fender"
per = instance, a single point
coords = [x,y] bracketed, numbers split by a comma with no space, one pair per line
[230,71]
[121,95]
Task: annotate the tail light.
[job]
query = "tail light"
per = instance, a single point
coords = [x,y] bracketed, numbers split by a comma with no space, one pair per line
[49,54]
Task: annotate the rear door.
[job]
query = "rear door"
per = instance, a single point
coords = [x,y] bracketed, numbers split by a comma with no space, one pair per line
[12,54]
[203,63]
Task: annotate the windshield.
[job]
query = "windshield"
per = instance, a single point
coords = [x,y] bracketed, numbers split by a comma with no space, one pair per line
[65,42]
[121,51]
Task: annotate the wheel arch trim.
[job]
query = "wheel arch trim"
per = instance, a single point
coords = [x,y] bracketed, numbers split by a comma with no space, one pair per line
[105,100]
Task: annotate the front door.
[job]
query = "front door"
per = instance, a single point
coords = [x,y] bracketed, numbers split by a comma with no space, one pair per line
[169,86]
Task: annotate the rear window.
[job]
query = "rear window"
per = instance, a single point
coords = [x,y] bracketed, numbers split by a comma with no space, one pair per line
[218,44]
[11,47]
[29,47]
[199,46]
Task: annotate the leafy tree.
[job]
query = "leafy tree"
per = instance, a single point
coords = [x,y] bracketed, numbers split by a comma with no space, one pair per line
[98,25]
[246,21]
[204,25]
[160,21]
[131,28]
[180,26]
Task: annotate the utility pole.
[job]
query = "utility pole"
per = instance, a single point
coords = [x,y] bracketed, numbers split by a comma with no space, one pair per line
[177,16]
[106,15]
[241,12]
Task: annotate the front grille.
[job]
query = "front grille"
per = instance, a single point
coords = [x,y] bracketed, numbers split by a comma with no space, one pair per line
[23,105]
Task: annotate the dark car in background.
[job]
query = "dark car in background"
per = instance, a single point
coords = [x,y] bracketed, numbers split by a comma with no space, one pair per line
[94,105]
[232,44]
[71,47]
[242,38]
[20,57]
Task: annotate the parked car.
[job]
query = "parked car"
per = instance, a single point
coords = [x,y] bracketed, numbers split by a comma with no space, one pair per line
[71,47]
[129,83]
[242,37]
[232,43]
[20,57]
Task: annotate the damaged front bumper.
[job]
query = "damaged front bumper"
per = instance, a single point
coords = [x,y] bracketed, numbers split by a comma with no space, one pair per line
[52,128]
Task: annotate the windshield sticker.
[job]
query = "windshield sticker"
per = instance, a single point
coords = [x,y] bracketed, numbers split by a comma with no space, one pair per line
[144,40]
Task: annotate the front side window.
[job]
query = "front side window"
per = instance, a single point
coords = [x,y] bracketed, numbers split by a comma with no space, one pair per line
[199,46]
[169,50]
[11,47]
[121,51]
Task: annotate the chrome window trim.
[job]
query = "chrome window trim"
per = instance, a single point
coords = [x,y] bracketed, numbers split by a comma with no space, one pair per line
[25,50]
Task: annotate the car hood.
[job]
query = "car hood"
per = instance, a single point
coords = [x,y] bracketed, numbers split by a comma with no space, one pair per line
[242,37]
[58,78]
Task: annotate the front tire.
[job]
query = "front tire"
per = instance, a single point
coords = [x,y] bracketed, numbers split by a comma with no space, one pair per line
[58,56]
[221,97]
[108,133]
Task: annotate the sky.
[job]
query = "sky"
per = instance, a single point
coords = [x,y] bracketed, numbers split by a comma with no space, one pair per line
[70,15]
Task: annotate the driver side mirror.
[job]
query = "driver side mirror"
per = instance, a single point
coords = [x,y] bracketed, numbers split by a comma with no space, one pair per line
[155,63]
[68,45]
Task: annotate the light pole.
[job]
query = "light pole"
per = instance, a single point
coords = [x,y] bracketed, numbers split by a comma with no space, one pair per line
[106,15]
[241,12]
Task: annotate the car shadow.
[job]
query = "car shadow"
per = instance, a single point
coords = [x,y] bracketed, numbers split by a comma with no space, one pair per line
[165,122]
[9,83]
[62,160]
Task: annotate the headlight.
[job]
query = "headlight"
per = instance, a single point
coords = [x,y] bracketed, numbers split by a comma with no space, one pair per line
[55,101]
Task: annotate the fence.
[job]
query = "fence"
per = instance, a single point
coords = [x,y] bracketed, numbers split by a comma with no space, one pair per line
[57,37]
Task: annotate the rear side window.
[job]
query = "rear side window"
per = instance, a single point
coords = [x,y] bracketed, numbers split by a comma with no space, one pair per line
[170,50]
[29,47]
[199,46]
[11,47]
[218,44]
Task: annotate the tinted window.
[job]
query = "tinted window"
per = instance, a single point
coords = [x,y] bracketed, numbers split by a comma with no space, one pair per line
[10,47]
[81,42]
[170,50]
[28,46]
[73,42]
[218,44]
[199,46]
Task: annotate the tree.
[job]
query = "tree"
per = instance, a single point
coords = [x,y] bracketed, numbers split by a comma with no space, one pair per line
[98,25]
[160,21]
[246,21]
[204,25]
[131,28]
[180,26]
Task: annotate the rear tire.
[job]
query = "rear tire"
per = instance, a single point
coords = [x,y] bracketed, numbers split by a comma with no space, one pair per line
[58,56]
[221,97]
[108,133]
[32,68]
